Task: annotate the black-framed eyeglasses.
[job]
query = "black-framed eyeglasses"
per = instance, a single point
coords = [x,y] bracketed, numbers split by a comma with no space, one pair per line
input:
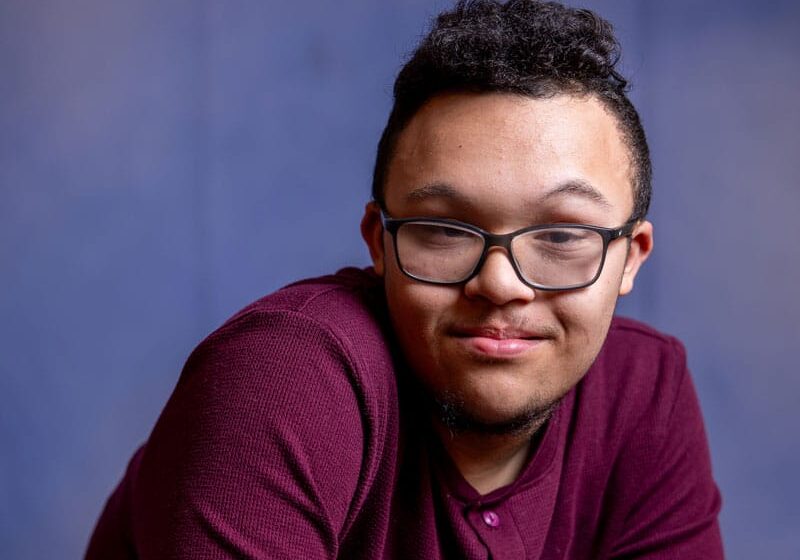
[549,257]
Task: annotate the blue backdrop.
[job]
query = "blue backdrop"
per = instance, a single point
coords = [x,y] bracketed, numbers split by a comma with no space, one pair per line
[164,163]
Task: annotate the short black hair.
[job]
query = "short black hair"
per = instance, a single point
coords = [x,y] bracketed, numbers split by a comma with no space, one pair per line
[527,47]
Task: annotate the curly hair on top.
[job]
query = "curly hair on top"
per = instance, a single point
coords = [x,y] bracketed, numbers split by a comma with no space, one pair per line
[527,47]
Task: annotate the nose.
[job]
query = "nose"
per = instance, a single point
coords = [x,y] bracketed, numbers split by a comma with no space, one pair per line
[497,281]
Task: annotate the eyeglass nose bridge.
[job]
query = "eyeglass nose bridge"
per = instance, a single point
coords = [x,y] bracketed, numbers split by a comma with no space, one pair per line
[502,240]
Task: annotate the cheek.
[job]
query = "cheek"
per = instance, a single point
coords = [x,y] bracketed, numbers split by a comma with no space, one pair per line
[415,309]
[585,317]
[594,306]
[419,314]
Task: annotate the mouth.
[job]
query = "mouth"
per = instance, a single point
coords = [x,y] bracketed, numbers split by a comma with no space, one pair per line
[497,341]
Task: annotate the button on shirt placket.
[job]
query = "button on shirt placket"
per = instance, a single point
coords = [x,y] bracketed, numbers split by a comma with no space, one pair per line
[497,530]
[491,518]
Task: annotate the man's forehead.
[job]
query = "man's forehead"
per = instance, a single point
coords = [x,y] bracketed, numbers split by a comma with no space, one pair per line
[565,149]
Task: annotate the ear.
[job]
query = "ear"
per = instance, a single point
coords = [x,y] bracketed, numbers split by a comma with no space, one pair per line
[640,248]
[372,232]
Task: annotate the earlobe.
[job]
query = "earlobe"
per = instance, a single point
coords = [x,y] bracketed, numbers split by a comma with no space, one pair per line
[640,248]
[372,232]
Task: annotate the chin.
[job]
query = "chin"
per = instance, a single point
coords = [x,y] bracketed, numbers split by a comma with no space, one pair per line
[463,416]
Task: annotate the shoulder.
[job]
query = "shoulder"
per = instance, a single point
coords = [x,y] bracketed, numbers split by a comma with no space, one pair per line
[350,299]
[639,344]
[321,337]
[635,383]
[637,357]
[340,317]
[317,340]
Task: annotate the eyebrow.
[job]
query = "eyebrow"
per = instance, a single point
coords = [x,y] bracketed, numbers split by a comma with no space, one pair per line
[580,188]
[435,190]
[572,187]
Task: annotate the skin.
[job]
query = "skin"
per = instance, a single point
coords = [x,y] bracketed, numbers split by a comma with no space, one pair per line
[504,162]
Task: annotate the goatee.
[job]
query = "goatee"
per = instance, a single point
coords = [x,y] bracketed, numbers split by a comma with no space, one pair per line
[450,409]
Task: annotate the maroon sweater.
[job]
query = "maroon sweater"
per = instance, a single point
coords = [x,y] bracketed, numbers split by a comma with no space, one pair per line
[294,433]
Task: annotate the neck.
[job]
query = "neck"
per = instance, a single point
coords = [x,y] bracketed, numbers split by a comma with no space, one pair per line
[488,461]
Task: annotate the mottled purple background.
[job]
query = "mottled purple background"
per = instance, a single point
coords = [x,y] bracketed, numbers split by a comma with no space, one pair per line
[164,163]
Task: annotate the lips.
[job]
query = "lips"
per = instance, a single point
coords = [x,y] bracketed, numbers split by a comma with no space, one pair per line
[497,341]
[496,332]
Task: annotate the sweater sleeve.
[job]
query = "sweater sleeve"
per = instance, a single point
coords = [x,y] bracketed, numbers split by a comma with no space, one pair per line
[259,450]
[665,473]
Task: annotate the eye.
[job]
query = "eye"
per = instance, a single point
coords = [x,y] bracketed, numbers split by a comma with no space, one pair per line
[437,237]
[561,242]
[450,232]
[559,236]
[443,236]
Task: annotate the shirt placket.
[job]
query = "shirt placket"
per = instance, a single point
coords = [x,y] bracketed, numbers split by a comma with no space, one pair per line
[495,526]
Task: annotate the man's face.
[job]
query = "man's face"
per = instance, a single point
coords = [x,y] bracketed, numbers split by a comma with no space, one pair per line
[494,346]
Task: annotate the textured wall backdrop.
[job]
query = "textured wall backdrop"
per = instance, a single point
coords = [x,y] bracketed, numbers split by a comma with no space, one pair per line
[164,163]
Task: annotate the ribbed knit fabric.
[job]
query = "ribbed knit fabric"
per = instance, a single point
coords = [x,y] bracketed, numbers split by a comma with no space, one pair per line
[292,433]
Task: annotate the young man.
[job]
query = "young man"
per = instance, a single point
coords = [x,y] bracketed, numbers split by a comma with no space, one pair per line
[470,396]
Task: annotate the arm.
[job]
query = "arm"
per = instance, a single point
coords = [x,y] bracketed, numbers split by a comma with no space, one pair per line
[258,451]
